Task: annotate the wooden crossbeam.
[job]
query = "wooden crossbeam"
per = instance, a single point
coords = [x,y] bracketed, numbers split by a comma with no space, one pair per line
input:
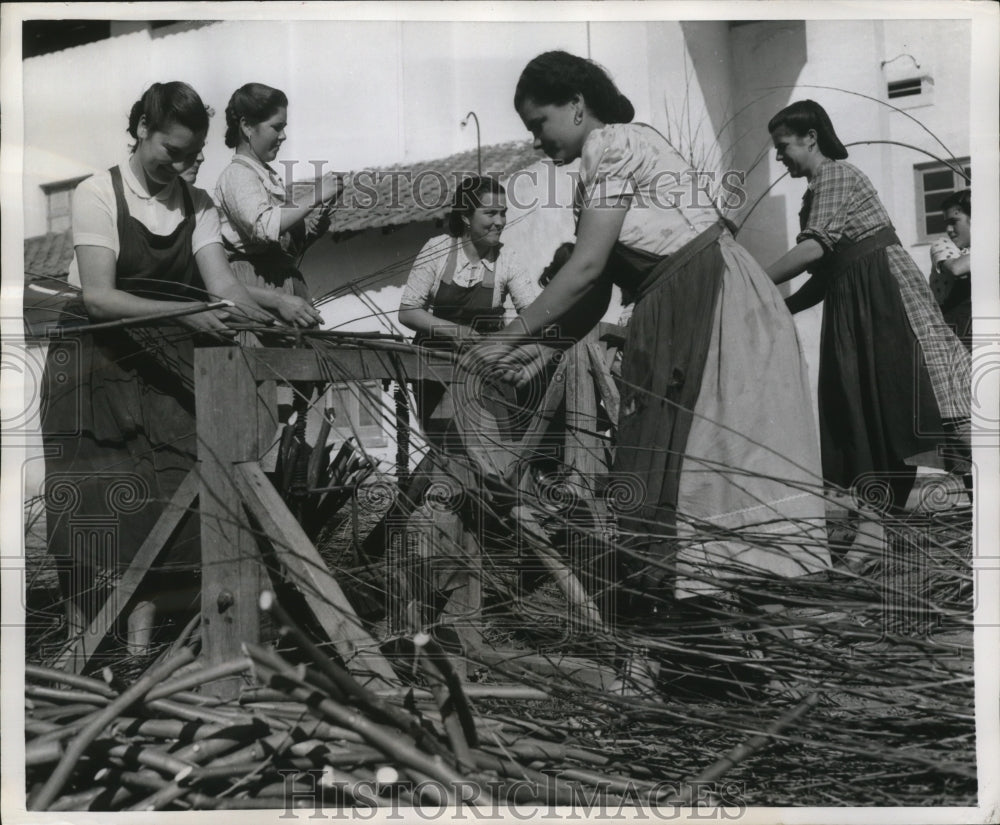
[347,364]
[307,569]
[75,657]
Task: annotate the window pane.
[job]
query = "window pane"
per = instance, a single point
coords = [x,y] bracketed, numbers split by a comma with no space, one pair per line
[368,413]
[59,202]
[932,203]
[59,224]
[370,404]
[934,181]
[934,224]
[904,88]
[345,407]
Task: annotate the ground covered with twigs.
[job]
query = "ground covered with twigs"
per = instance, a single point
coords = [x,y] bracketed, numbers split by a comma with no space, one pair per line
[858,691]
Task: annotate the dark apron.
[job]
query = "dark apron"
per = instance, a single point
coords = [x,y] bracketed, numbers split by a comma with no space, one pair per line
[663,360]
[470,306]
[276,266]
[118,419]
[873,380]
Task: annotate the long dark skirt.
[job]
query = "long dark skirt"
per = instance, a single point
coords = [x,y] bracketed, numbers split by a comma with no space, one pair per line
[664,358]
[119,434]
[717,430]
[876,402]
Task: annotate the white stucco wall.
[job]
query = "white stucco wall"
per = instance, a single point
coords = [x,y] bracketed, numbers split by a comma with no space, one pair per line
[360,93]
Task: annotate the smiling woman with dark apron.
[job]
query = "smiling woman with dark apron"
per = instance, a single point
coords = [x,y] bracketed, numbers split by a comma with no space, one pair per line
[455,293]
[458,284]
[118,405]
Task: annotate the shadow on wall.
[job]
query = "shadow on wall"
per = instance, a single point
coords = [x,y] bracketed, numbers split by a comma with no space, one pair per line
[761,55]
[709,49]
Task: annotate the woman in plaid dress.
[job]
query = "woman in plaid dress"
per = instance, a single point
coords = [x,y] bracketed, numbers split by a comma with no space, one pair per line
[893,377]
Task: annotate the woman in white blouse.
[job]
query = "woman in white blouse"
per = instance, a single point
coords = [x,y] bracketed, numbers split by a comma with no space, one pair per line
[459,281]
[262,230]
[118,420]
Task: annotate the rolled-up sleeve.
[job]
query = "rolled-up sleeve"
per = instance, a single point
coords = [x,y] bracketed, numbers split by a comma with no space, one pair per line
[833,194]
[207,227]
[248,206]
[427,267]
[521,288]
[94,217]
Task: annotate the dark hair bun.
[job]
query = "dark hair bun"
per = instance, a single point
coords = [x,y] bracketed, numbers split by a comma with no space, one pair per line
[165,103]
[623,110]
[557,77]
[254,103]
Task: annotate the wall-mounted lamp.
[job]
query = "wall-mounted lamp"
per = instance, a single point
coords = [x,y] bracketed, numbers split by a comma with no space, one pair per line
[479,148]
[907,78]
[904,54]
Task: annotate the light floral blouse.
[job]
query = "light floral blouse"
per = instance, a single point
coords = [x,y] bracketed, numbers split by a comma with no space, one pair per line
[632,163]
[250,196]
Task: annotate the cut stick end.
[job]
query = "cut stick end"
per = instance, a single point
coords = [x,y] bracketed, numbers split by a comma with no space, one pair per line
[386,775]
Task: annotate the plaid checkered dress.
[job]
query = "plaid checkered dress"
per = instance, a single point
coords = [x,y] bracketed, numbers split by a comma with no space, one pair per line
[841,204]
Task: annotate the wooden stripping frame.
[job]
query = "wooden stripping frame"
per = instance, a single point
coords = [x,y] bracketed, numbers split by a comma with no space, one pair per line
[309,572]
[75,657]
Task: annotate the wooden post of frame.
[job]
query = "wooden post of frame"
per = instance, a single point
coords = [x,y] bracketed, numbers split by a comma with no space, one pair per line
[228,433]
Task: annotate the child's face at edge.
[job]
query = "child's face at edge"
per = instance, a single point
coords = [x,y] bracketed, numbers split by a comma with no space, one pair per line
[958,225]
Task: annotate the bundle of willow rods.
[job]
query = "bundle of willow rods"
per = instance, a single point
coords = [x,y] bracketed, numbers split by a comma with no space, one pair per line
[307,735]
[883,716]
[313,736]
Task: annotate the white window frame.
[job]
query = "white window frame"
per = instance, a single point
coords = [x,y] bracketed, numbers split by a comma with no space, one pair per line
[958,183]
[347,401]
[64,215]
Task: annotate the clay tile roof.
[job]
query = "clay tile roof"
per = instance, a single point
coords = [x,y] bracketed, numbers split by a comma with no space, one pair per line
[408,193]
[46,265]
[48,256]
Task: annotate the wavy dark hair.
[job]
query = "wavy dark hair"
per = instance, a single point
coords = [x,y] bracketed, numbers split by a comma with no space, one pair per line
[557,77]
[803,115]
[165,103]
[254,103]
[961,199]
[468,198]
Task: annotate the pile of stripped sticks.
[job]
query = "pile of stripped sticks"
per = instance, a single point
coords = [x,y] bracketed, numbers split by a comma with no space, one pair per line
[307,735]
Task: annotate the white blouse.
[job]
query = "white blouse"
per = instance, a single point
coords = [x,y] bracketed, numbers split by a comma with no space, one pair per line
[509,277]
[95,210]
